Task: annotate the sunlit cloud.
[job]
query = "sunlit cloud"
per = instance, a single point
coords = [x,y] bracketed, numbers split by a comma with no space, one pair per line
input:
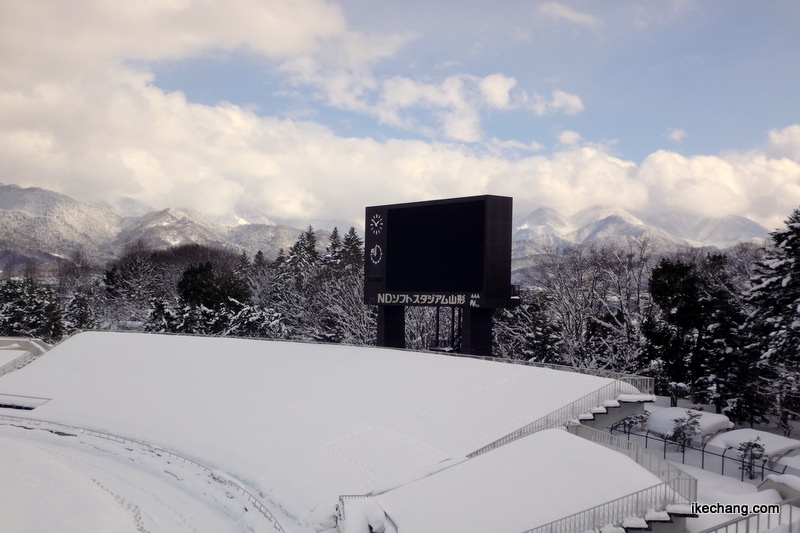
[557,10]
[81,113]
[676,135]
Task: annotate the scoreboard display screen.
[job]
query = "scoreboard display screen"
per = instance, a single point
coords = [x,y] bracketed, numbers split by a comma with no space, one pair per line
[454,252]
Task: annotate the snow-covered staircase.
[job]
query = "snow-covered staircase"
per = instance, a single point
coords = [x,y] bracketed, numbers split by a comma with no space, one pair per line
[663,508]
[612,411]
[31,348]
[598,409]
[670,520]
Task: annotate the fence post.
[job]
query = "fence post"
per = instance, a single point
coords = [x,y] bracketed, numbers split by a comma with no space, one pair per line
[722,471]
[703,456]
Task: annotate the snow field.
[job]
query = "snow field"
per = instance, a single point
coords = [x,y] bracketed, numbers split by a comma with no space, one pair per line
[78,483]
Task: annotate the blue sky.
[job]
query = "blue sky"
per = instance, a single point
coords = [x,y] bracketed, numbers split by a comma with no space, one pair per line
[306,111]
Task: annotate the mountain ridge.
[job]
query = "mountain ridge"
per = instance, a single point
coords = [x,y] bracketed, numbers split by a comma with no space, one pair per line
[40,225]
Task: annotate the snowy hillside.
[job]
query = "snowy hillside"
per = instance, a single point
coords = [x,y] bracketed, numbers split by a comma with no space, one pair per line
[607,225]
[42,224]
[46,226]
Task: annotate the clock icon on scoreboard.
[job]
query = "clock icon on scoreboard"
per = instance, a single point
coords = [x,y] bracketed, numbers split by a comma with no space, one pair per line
[376,224]
[376,254]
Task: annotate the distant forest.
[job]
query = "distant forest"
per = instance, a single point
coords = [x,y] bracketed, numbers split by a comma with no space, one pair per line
[722,328]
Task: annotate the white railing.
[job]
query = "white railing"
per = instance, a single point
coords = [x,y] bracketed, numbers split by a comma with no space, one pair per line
[18,362]
[642,384]
[613,512]
[676,487]
[562,416]
[340,510]
[214,474]
[683,483]
[787,521]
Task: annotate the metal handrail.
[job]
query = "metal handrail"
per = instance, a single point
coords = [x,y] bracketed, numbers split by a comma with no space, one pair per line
[663,469]
[17,362]
[563,415]
[676,487]
[636,504]
[644,384]
[752,523]
[217,475]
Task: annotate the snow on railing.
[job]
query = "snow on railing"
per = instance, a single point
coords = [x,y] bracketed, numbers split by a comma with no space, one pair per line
[637,504]
[787,520]
[340,512]
[684,484]
[18,362]
[644,385]
[562,416]
[677,487]
[216,475]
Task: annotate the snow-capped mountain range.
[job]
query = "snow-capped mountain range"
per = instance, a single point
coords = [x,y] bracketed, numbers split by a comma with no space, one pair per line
[47,226]
[601,225]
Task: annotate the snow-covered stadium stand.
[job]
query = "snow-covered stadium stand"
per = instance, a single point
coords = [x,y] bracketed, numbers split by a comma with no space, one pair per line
[307,428]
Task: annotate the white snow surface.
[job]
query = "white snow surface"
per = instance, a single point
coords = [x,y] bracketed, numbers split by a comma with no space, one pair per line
[8,355]
[773,444]
[553,474]
[787,479]
[298,424]
[662,420]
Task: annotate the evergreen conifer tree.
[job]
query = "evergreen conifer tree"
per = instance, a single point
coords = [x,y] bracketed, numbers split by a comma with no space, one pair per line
[774,324]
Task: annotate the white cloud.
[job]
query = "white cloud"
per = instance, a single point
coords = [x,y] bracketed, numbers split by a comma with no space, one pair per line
[495,89]
[557,10]
[78,116]
[570,104]
[676,135]
[785,142]
[569,138]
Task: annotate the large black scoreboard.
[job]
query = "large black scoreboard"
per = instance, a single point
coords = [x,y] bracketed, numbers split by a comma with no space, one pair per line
[453,253]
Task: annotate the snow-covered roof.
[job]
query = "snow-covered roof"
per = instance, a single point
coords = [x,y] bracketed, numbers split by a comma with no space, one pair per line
[662,420]
[523,485]
[300,423]
[773,444]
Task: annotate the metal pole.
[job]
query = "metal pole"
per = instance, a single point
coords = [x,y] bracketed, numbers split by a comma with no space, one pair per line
[438,344]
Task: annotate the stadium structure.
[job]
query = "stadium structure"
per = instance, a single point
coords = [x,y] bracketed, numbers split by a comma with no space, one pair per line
[294,437]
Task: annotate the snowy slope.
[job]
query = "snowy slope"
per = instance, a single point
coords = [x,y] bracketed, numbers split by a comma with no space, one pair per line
[604,225]
[301,424]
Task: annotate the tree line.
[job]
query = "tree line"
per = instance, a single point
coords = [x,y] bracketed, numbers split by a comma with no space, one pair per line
[719,327]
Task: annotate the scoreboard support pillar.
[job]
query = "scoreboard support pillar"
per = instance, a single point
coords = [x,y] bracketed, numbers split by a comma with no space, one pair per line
[392,326]
[476,331]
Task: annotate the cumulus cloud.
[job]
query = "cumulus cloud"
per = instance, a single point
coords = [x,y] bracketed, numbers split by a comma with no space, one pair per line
[560,101]
[676,135]
[457,101]
[80,114]
[569,138]
[785,142]
[557,10]
[495,89]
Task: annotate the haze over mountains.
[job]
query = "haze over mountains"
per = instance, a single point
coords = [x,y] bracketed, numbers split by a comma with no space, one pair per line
[42,225]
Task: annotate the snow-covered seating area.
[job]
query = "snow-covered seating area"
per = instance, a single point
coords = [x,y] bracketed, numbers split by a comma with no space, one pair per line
[302,424]
[551,474]
[662,421]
